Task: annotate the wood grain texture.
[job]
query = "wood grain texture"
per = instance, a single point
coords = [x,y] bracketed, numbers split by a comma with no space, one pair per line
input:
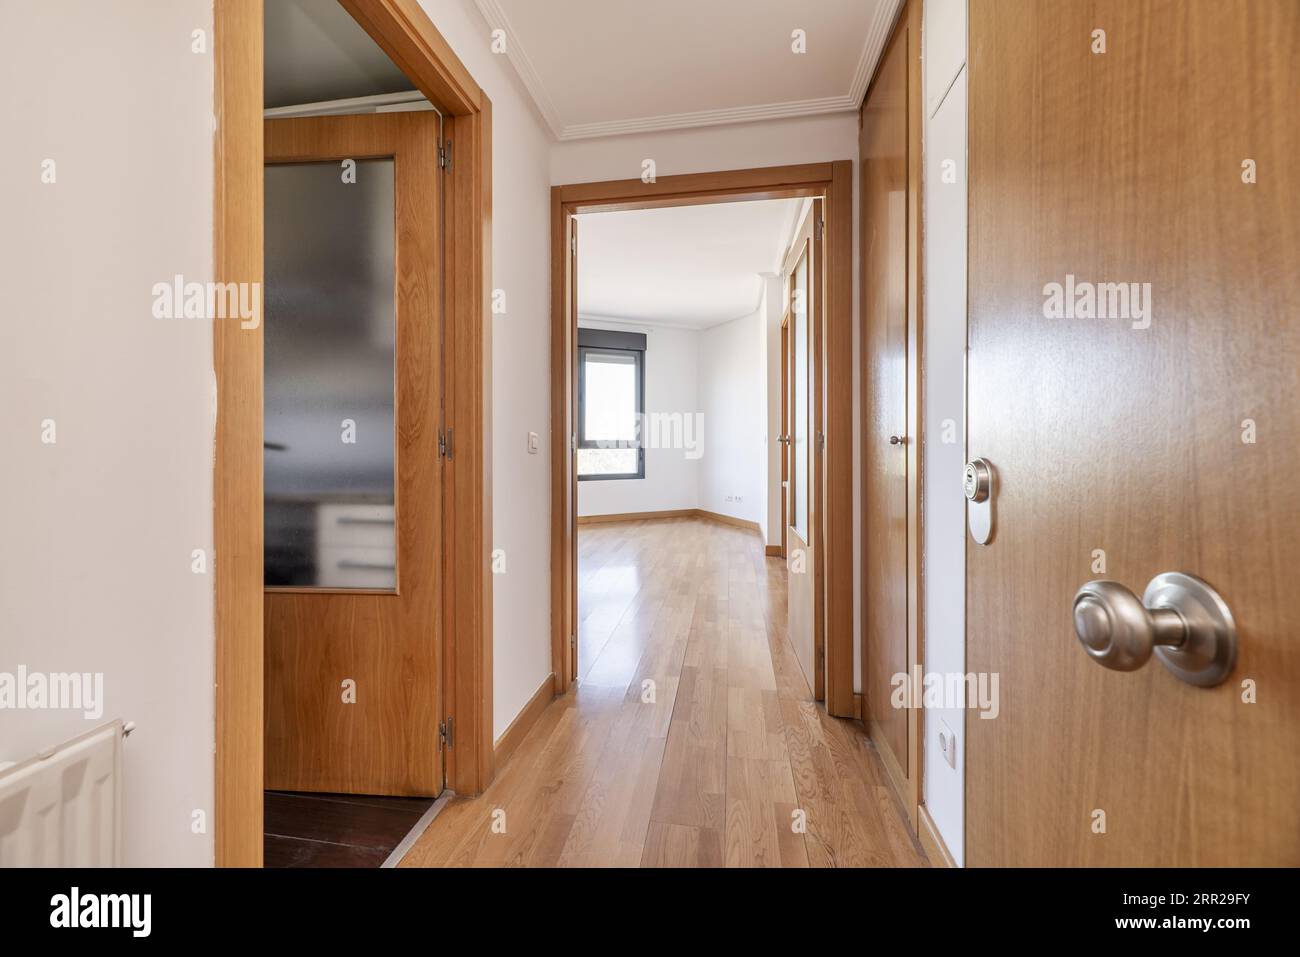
[563,470]
[818,520]
[467,504]
[1127,167]
[635,516]
[389,644]
[404,31]
[837,423]
[571,649]
[709,769]
[742,185]
[885,348]
[911,790]
[805,621]
[237,467]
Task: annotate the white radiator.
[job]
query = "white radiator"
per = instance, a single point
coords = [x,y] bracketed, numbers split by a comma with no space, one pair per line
[63,808]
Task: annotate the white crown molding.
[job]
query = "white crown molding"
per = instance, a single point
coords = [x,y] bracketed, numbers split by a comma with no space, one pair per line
[497,20]
[638,323]
[877,34]
[633,323]
[683,121]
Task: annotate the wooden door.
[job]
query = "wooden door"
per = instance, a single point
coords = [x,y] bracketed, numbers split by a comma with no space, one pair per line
[804,613]
[784,437]
[1161,438]
[353,466]
[886,293]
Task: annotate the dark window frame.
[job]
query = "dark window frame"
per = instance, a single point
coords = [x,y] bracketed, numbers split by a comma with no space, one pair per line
[605,342]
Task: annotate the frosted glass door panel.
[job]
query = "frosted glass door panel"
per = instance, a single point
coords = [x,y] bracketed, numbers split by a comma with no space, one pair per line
[330,342]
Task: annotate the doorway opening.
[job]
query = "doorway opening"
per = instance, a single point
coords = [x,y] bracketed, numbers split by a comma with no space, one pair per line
[352,470]
[688,636]
[824,194]
[349,645]
[677,383]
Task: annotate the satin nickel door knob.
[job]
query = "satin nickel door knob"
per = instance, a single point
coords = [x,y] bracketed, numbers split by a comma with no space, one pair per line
[783,439]
[1180,619]
[897,439]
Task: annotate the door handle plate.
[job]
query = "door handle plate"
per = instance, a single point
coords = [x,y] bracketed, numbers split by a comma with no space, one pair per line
[979,486]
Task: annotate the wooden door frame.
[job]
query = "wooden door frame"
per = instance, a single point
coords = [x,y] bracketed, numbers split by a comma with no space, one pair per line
[785,425]
[833,181]
[807,243]
[907,787]
[405,32]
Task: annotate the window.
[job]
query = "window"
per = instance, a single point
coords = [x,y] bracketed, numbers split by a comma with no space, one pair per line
[611,403]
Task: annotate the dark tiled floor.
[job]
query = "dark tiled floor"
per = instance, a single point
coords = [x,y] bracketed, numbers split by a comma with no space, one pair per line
[335,830]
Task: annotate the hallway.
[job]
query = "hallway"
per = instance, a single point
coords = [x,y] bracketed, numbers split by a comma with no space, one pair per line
[693,739]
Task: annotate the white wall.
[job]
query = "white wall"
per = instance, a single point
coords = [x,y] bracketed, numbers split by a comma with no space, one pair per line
[733,398]
[521,654]
[944,364]
[671,387]
[773,311]
[95,567]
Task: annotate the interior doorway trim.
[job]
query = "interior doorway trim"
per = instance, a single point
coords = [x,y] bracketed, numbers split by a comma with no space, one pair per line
[834,182]
[405,32]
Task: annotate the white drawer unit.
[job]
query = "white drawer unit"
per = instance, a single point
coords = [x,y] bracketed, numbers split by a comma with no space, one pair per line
[356,546]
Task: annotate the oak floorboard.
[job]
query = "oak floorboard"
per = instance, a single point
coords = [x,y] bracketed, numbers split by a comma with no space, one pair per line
[692,739]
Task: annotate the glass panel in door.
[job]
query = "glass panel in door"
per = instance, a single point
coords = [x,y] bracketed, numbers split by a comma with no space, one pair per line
[330,380]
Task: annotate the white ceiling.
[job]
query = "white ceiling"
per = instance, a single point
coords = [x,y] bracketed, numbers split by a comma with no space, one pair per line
[315,51]
[604,67]
[687,266]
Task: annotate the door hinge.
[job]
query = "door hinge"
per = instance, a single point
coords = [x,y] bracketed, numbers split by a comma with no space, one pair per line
[821,229]
[444,156]
[444,443]
[445,732]
[573,441]
[821,441]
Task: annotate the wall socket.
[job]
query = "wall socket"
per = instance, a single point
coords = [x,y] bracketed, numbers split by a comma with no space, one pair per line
[948,744]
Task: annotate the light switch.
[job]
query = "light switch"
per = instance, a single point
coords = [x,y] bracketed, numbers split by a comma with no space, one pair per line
[534,443]
[947,744]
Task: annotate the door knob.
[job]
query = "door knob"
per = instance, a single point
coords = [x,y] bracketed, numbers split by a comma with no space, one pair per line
[897,439]
[783,439]
[1180,619]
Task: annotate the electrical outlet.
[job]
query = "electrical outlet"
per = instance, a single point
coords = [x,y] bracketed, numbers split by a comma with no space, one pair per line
[948,744]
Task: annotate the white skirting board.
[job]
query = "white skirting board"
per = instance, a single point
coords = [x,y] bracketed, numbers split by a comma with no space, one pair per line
[63,807]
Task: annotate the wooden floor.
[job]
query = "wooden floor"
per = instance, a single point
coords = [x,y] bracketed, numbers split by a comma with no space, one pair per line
[692,740]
